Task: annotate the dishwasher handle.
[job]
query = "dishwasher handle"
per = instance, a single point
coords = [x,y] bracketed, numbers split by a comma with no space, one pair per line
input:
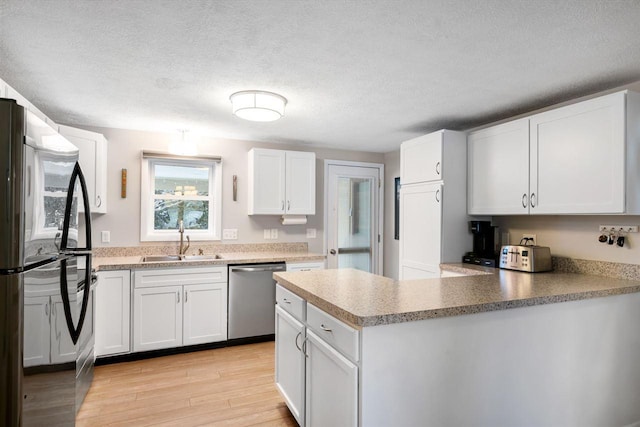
[258,269]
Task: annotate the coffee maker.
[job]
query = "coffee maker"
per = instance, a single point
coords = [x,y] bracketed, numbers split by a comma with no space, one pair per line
[485,240]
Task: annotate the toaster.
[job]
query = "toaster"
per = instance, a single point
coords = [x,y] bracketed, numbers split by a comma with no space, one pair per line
[531,259]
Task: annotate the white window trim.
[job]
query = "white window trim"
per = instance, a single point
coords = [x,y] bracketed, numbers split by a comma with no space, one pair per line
[148,234]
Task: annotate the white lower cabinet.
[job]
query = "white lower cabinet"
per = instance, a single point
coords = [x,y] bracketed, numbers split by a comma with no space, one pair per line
[62,348]
[37,335]
[331,386]
[317,375]
[177,307]
[290,362]
[204,320]
[113,312]
[157,321]
[305,266]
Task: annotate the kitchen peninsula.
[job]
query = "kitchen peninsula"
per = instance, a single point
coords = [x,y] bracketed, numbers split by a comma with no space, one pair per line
[494,347]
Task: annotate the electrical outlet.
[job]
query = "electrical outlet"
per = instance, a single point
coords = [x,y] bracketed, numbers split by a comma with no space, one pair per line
[274,233]
[230,234]
[106,236]
[267,234]
[311,233]
[534,241]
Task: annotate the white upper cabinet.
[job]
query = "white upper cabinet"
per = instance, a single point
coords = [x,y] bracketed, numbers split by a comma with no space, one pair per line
[498,170]
[93,161]
[577,159]
[421,159]
[281,182]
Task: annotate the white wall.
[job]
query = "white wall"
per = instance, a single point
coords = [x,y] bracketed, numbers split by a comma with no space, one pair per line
[123,217]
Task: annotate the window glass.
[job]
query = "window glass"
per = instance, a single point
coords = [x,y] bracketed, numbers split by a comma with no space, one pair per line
[181,180]
[168,213]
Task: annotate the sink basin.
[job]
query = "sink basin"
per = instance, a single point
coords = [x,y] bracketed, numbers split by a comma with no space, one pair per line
[170,258]
[200,257]
[160,258]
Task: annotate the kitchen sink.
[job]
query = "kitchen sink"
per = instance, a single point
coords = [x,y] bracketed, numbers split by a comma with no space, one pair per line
[200,257]
[160,258]
[170,258]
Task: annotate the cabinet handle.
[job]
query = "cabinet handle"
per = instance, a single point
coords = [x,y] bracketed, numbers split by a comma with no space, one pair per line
[186,296]
[282,205]
[438,168]
[304,347]
[438,195]
[533,200]
[286,301]
[178,295]
[46,309]
[298,336]
[324,328]
[524,200]
[98,201]
[288,205]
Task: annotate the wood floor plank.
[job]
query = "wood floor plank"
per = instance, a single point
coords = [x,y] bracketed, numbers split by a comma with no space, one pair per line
[230,386]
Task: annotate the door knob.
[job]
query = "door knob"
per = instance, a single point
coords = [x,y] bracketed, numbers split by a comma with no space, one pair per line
[332,251]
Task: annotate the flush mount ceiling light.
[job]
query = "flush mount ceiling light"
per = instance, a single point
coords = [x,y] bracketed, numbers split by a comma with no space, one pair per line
[258,105]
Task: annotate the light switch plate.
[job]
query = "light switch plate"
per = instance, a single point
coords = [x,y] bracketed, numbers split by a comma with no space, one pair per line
[106,236]
[267,234]
[274,233]
[230,234]
[311,233]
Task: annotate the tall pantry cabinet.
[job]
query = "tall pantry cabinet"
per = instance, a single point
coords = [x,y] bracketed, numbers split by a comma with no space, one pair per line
[433,220]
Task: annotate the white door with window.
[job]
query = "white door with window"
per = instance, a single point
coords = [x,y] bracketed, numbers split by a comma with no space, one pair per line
[354,216]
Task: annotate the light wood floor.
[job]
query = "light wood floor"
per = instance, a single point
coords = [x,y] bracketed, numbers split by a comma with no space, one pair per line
[232,386]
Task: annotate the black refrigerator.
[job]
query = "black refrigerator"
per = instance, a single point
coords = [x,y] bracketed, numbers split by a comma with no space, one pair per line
[46,324]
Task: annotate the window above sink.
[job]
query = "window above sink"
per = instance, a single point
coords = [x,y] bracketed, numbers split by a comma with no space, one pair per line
[176,188]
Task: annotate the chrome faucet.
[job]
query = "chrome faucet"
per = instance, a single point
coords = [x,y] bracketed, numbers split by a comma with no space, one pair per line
[182,250]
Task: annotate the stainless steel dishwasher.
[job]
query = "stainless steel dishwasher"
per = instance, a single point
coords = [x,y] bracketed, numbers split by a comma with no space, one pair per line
[252,299]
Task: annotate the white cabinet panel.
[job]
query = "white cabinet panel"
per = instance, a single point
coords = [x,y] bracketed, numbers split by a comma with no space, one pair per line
[421,159]
[157,318]
[290,362]
[113,312]
[205,313]
[281,182]
[498,169]
[331,386]
[93,161]
[305,266]
[37,335]
[578,157]
[300,183]
[62,348]
[420,230]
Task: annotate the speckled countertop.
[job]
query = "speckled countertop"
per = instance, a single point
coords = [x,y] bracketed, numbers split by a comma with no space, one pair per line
[362,299]
[135,261]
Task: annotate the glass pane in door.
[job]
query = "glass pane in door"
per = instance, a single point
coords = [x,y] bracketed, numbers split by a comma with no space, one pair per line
[355,234]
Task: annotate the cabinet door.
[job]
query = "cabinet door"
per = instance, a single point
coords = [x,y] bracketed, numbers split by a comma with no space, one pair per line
[290,362]
[300,183]
[421,159]
[157,319]
[113,312]
[93,161]
[37,338]
[578,158]
[266,182]
[205,313]
[420,230]
[62,347]
[498,169]
[331,386]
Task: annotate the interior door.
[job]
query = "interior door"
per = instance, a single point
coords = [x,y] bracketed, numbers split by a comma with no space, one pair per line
[353,217]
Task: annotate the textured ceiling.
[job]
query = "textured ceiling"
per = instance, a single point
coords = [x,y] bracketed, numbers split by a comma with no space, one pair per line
[358,74]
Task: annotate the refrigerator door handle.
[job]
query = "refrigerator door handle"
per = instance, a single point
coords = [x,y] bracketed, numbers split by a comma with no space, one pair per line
[77,174]
[74,331]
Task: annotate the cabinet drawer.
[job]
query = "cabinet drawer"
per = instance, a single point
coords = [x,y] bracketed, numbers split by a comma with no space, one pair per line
[335,332]
[305,266]
[178,276]
[291,303]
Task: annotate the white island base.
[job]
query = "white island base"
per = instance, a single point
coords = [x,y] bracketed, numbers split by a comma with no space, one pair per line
[566,364]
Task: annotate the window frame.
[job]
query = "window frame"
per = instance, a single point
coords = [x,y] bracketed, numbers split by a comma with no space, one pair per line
[148,196]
